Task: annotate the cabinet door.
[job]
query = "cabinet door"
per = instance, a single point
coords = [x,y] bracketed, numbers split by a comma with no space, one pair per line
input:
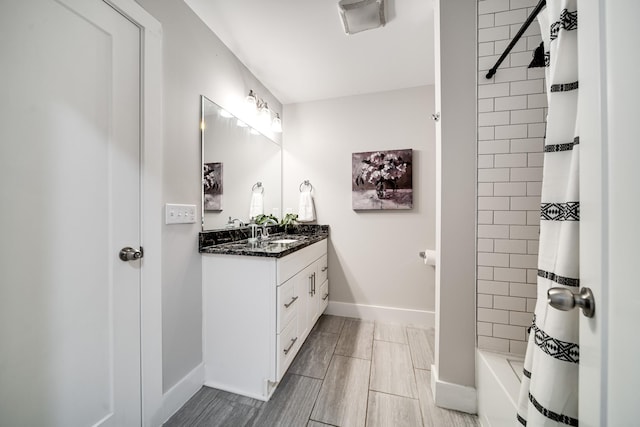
[302,288]
[314,289]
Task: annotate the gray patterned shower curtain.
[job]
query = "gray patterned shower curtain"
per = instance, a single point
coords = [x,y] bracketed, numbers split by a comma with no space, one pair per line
[549,390]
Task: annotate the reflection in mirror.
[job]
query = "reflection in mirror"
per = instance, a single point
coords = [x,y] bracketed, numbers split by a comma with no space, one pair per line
[234,158]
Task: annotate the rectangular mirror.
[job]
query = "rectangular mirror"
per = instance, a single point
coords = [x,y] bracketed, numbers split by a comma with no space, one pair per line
[235,157]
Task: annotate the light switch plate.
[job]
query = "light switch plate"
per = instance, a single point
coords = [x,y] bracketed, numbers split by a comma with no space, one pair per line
[179,214]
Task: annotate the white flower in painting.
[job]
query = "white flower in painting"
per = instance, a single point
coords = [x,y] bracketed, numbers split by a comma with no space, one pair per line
[381,169]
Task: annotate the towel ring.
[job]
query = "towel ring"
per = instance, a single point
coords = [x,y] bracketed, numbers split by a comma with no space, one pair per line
[304,184]
[256,186]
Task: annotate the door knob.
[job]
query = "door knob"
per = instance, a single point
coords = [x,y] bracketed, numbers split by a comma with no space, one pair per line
[130,254]
[565,300]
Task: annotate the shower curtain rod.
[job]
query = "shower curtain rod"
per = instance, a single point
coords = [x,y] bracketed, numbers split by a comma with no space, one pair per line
[522,29]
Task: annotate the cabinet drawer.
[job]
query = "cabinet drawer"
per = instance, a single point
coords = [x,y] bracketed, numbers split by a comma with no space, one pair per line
[323,269]
[288,302]
[323,294]
[289,265]
[288,344]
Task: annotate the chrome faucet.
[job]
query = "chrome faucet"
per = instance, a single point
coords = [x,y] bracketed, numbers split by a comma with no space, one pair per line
[254,231]
[265,230]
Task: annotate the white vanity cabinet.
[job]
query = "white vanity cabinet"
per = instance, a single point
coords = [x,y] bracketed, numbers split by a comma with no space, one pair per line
[257,313]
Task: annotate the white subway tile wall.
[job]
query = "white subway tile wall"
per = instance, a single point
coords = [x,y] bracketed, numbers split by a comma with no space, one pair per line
[512,108]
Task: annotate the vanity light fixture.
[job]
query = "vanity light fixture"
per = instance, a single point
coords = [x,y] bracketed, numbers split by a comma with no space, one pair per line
[361,15]
[258,107]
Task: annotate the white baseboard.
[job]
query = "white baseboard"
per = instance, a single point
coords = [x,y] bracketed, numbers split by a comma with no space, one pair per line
[378,313]
[453,396]
[180,393]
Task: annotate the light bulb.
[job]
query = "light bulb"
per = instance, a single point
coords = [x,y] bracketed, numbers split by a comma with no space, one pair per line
[264,115]
[276,125]
[251,103]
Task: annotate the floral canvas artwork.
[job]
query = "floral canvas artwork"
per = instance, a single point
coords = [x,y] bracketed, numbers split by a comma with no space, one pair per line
[382,180]
[212,186]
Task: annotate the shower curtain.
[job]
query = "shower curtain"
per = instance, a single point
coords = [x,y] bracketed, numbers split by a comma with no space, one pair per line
[549,390]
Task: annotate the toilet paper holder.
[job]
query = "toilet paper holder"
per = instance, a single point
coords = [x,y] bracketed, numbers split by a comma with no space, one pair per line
[429,257]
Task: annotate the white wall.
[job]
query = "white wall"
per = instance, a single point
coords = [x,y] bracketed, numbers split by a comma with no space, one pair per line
[511,113]
[195,63]
[373,255]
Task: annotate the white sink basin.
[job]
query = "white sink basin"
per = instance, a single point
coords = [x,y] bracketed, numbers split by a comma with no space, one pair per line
[283,241]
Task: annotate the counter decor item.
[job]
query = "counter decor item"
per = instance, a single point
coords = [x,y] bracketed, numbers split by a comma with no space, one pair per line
[262,218]
[289,219]
[382,180]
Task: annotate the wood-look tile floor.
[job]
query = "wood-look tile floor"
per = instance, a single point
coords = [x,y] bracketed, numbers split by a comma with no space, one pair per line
[349,372]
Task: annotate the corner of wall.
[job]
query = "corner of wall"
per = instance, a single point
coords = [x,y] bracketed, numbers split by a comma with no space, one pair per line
[456,190]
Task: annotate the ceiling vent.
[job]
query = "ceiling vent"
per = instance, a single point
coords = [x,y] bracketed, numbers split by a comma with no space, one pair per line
[361,15]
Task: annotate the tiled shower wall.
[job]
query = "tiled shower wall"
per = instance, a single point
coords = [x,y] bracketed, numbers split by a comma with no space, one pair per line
[511,114]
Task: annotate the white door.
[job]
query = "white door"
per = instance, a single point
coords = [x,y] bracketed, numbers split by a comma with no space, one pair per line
[610,206]
[70,200]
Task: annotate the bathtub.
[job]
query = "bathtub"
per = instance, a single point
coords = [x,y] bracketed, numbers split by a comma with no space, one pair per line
[498,379]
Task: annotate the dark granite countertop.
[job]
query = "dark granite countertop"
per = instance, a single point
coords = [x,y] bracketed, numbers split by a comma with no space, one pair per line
[235,241]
